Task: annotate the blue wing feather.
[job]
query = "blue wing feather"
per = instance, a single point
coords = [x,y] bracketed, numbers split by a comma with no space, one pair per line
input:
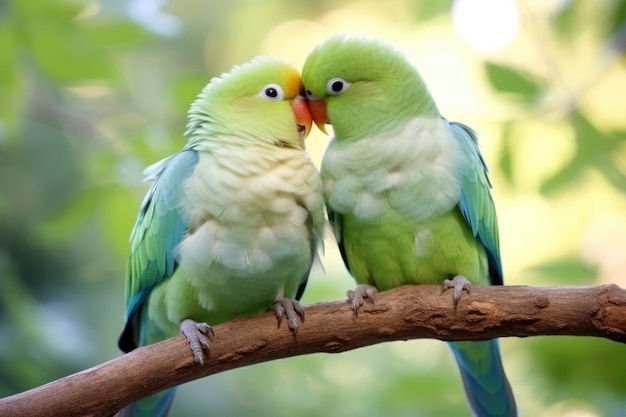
[476,203]
[486,385]
[488,390]
[159,229]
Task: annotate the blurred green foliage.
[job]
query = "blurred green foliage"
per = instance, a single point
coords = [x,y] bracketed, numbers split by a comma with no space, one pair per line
[93,91]
[511,81]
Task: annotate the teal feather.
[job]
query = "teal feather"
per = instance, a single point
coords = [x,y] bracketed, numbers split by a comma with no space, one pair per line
[480,364]
[475,201]
[487,388]
[159,229]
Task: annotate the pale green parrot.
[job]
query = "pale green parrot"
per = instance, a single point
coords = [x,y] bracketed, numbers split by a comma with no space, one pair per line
[232,223]
[407,192]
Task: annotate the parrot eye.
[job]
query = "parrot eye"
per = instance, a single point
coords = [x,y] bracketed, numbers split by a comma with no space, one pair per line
[336,86]
[272,92]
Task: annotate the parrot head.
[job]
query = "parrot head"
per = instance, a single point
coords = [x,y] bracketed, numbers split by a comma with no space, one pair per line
[259,101]
[363,86]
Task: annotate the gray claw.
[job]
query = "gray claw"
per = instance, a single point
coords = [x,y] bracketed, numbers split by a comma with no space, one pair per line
[359,294]
[198,335]
[459,283]
[291,309]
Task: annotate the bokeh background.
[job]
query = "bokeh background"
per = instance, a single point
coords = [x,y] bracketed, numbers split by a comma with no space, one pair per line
[91,92]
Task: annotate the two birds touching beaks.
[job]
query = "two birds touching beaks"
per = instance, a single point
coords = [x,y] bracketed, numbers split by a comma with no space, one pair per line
[232,223]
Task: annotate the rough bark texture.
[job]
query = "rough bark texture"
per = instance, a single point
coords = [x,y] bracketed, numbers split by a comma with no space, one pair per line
[409,312]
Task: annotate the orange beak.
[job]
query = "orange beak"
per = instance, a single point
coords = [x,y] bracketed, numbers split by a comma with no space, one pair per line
[320,116]
[301,110]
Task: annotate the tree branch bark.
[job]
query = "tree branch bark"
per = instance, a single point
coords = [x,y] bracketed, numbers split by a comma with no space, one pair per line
[409,312]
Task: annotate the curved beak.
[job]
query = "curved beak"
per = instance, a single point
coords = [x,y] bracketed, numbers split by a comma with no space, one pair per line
[304,119]
[320,115]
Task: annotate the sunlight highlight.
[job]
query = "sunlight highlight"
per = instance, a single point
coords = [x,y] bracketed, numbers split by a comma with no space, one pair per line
[486,25]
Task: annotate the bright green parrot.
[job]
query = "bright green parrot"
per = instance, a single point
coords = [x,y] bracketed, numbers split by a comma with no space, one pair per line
[232,223]
[407,192]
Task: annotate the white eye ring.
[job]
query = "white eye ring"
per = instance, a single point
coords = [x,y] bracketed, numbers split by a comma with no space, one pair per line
[272,92]
[336,86]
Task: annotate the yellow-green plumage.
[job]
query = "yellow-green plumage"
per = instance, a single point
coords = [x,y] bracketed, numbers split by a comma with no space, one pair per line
[389,238]
[232,223]
[391,258]
[407,191]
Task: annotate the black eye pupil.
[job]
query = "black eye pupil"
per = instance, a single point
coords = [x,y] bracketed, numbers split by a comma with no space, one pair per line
[309,93]
[271,92]
[337,86]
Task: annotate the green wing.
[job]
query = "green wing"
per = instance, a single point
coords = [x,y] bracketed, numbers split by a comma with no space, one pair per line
[159,229]
[475,201]
[487,388]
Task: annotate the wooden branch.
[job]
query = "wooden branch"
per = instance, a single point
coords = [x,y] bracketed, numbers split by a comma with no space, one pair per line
[409,312]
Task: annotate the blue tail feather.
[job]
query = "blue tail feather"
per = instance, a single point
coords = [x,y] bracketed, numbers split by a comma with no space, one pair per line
[157,405]
[486,386]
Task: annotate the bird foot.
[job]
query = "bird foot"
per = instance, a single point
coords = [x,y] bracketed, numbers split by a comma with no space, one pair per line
[458,283]
[198,335]
[359,294]
[291,309]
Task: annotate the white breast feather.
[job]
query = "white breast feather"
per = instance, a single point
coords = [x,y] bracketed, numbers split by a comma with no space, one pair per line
[372,175]
[249,218]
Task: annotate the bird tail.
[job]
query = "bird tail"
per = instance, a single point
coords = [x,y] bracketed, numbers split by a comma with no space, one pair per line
[157,405]
[486,386]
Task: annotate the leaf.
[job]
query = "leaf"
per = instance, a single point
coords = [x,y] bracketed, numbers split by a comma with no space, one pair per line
[57,11]
[11,83]
[66,55]
[55,38]
[566,22]
[564,177]
[511,81]
[114,33]
[595,149]
[616,18]
[613,173]
[590,139]
[426,10]
[505,163]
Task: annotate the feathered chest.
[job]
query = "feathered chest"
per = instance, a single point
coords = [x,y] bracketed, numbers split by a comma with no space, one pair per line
[248,210]
[247,189]
[415,170]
